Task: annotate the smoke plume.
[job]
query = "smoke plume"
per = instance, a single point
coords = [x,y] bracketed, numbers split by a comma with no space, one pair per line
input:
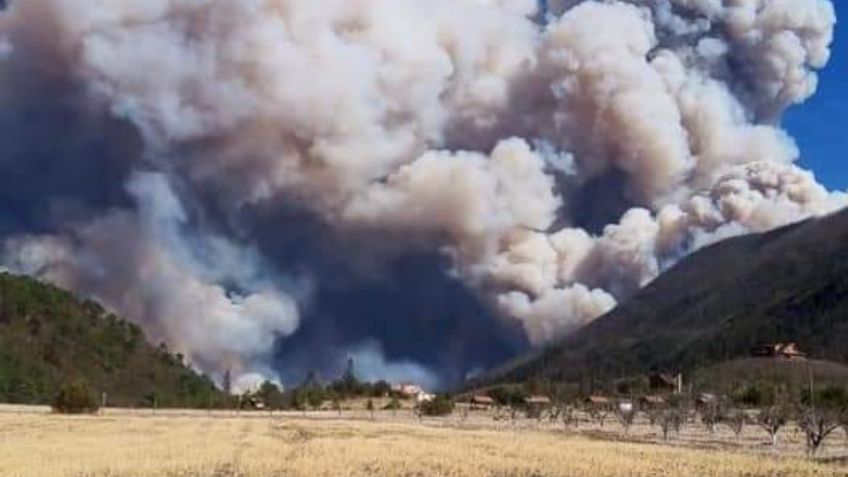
[432,185]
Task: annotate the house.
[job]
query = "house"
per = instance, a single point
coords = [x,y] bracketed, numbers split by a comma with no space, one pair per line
[424,397]
[412,391]
[706,399]
[652,402]
[664,382]
[598,401]
[407,390]
[626,407]
[537,401]
[252,402]
[779,351]
[535,405]
[481,402]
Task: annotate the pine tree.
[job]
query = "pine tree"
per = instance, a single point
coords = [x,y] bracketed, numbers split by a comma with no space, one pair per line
[349,376]
[228,385]
[350,383]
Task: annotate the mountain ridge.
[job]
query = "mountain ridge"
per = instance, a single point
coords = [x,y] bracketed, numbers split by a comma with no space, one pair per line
[789,284]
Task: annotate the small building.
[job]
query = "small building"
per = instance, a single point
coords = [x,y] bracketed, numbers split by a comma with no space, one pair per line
[779,351]
[407,390]
[706,399]
[412,391]
[253,402]
[598,401]
[424,397]
[537,400]
[481,402]
[664,382]
[535,405]
[626,407]
[652,402]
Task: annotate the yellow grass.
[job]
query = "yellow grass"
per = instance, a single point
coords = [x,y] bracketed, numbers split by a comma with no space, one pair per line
[197,445]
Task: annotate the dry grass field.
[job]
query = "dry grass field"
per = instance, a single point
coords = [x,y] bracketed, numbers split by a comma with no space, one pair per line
[197,444]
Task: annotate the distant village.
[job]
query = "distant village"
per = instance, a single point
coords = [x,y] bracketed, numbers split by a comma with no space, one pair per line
[666,400]
[311,394]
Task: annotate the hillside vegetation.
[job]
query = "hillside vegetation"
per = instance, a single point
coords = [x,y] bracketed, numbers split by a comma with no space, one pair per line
[733,375]
[49,337]
[790,284]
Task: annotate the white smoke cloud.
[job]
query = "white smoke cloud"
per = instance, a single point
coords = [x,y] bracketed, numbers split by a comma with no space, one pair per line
[176,285]
[461,125]
[372,365]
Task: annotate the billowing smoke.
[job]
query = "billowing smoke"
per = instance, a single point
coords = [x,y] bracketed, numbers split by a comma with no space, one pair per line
[428,185]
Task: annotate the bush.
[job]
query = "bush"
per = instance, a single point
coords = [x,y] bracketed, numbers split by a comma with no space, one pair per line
[393,405]
[508,396]
[271,395]
[439,406]
[756,395]
[831,398]
[75,397]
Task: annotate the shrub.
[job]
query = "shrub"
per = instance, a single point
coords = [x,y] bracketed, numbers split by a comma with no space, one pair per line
[508,396]
[831,398]
[393,405]
[271,395]
[439,406]
[75,397]
[754,395]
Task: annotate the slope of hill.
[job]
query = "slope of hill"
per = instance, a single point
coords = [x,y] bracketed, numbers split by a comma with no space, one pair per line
[790,284]
[735,374]
[48,336]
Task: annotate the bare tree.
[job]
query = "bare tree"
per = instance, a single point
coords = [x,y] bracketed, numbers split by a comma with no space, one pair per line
[843,421]
[772,419]
[653,414]
[711,414]
[554,413]
[735,420]
[817,425]
[513,413]
[626,414]
[369,406]
[670,420]
[598,413]
[568,415]
[540,416]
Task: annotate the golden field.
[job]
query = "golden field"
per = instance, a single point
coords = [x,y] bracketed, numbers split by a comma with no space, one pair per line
[198,444]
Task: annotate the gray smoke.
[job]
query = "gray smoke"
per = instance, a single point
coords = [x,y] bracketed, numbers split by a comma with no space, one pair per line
[557,165]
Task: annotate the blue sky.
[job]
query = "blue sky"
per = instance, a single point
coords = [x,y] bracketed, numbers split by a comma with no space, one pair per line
[820,126]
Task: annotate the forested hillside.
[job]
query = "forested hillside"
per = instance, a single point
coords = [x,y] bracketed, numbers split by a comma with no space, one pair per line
[49,337]
[788,285]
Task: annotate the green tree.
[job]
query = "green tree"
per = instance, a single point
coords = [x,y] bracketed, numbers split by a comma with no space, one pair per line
[271,395]
[441,405]
[393,405]
[349,377]
[315,396]
[508,396]
[369,406]
[381,388]
[228,383]
[75,397]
